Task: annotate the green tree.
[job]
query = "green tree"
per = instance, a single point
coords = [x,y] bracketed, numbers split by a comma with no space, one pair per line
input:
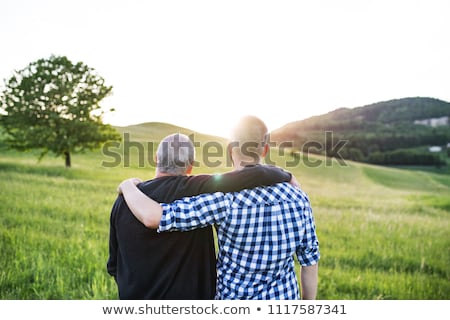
[53,105]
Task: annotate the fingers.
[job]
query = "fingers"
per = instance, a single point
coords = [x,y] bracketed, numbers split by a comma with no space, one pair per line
[134,181]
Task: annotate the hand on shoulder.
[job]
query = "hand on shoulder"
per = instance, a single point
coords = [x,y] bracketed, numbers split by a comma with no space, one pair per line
[134,181]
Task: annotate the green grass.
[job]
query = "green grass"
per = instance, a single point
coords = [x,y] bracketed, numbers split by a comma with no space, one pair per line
[384,232]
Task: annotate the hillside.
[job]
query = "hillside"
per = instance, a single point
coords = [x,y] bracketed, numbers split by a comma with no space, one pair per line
[397,132]
[155,131]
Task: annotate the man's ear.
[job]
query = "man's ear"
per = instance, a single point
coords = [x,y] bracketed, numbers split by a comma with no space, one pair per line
[189,169]
[230,152]
[265,150]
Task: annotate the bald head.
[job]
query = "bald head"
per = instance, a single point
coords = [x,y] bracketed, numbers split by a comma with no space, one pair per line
[249,140]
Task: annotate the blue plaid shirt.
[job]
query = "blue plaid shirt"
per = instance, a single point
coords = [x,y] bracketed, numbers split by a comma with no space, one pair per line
[259,232]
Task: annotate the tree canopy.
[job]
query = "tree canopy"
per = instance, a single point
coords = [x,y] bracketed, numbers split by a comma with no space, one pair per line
[54,105]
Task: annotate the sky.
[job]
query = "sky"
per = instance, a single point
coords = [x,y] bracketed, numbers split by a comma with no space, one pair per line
[203,64]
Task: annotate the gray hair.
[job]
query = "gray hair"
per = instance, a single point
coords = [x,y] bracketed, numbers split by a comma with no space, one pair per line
[175,154]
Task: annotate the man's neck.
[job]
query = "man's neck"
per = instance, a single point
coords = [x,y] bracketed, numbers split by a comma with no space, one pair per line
[164,174]
[240,164]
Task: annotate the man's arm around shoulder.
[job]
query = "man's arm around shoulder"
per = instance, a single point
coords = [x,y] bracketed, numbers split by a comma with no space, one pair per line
[146,210]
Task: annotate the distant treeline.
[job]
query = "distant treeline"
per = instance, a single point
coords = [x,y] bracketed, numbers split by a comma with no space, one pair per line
[406,157]
[398,149]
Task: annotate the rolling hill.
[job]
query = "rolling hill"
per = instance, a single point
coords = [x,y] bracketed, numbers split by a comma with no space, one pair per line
[155,131]
[395,132]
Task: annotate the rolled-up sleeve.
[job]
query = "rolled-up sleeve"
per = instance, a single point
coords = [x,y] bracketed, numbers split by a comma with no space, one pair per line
[194,212]
[308,253]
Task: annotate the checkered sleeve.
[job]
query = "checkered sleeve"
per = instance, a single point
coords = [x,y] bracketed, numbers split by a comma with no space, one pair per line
[308,253]
[194,212]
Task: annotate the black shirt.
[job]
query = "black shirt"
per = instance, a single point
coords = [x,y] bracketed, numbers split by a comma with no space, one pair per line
[173,265]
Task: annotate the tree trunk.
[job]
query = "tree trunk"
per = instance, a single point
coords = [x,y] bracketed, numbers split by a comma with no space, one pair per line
[67,157]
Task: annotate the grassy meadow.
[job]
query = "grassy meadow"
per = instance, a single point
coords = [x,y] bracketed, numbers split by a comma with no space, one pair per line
[383,232]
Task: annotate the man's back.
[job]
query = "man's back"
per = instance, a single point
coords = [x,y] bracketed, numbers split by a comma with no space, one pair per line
[259,232]
[265,229]
[176,265]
